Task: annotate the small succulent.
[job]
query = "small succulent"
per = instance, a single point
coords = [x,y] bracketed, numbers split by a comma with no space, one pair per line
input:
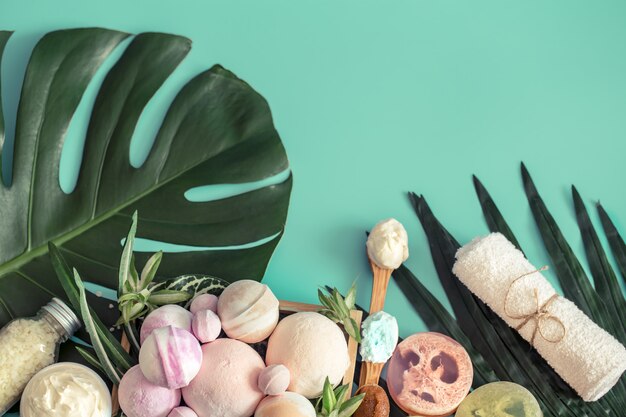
[337,402]
[136,296]
[338,309]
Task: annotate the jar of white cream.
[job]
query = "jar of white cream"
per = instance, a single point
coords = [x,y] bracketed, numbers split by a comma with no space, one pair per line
[66,390]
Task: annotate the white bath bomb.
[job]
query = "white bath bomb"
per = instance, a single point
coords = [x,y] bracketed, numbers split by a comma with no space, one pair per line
[274,380]
[287,404]
[312,347]
[226,385]
[204,302]
[248,311]
[168,315]
[170,357]
[139,397]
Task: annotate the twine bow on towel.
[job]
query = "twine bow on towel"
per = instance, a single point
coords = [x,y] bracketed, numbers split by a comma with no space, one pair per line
[541,316]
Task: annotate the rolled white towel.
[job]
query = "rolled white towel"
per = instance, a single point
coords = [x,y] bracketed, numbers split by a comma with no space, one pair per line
[588,358]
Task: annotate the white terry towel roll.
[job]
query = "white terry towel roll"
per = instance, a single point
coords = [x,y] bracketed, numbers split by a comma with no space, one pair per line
[588,358]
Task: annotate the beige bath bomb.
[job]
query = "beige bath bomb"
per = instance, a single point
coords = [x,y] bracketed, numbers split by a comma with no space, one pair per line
[287,404]
[248,311]
[312,347]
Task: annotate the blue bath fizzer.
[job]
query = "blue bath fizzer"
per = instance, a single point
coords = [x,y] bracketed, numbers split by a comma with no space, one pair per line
[380,337]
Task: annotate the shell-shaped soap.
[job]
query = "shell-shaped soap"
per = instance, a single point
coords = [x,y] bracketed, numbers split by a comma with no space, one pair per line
[248,311]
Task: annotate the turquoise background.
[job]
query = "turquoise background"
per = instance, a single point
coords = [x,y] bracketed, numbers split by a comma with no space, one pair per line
[377,98]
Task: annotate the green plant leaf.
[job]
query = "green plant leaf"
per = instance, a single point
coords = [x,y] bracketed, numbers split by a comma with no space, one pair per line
[574,281]
[328,397]
[163,297]
[150,269]
[493,217]
[506,352]
[127,261]
[91,359]
[4,38]
[618,247]
[606,284]
[109,368]
[217,130]
[350,406]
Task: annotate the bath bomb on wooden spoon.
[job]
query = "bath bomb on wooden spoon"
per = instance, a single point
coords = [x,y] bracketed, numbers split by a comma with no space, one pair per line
[248,311]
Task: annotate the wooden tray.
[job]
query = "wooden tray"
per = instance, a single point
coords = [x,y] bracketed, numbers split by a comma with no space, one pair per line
[286,308]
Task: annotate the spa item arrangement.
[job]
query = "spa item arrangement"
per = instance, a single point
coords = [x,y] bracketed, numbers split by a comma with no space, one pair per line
[218,342]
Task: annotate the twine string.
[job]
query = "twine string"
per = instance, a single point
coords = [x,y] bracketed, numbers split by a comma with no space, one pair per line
[541,316]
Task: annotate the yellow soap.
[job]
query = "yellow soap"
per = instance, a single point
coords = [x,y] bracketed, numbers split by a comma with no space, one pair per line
[500,399]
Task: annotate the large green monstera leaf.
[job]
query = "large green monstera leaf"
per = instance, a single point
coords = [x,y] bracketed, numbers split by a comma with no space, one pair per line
[217,130]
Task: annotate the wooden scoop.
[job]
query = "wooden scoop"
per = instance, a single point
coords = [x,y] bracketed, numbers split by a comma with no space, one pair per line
[376,402]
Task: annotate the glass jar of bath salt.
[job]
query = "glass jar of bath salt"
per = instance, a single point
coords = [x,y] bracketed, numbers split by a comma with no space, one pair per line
[27,345]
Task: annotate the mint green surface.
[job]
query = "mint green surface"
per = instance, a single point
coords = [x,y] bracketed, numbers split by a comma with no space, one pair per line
[376,98]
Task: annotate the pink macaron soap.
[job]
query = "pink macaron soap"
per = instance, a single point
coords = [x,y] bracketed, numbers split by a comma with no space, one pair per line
[168,315]
[170,357]
[227,384]
[429,375]
[138,397]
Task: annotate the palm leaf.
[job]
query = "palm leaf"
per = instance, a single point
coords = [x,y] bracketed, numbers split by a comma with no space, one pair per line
[615,240]
[4,38]
[217,130]
[574,280]
[506,352]
[604,277]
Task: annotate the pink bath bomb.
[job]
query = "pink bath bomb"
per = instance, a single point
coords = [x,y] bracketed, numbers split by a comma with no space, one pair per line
[139,397]
[168,315]
[170,357]
[206,326]
[182,412]
[248,310]
[226,385]
[204,302]
[274,379]
[287,404]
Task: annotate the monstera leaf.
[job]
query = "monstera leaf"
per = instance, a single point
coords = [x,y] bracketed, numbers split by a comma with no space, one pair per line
[217,130]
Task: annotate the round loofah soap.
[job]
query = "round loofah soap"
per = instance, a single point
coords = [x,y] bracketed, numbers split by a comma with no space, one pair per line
[204,302]
[138,397]
[182,412]
[312,347]
[206,326]
[287,404]
[500,399]
[168,315]
[429,374]
[274,379]
[248,311]
[226,385]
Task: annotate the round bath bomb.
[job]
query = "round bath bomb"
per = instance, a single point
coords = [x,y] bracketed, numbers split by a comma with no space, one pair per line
[182,412]
[500,399]
[226,385]
[429,374]
[139,397]
[287,404]
[248,311]
[206,326]
[274,379]
[204,302]
[312,347]
[170,357]
[168,315]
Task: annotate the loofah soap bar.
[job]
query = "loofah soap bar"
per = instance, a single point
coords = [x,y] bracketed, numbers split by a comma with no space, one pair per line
[429,374]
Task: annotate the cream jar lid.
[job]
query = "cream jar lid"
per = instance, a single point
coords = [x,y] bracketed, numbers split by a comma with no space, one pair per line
[66,389]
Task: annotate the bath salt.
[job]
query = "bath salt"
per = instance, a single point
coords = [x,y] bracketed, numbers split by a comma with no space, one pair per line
[28,345]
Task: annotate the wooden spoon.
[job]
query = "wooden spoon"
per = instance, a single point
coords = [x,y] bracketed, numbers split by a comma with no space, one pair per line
[375,403]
